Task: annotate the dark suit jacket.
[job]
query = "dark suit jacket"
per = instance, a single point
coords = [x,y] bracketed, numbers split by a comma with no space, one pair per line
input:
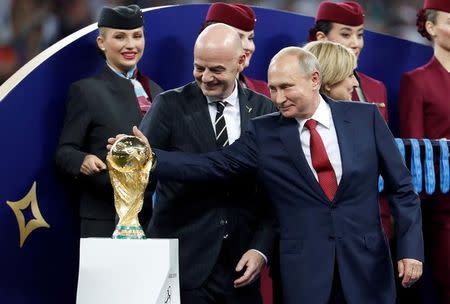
[97,108]
[201,215]
[315,233]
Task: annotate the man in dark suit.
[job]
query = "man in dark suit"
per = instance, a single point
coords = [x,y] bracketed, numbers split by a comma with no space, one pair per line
[319,160]
[224,230]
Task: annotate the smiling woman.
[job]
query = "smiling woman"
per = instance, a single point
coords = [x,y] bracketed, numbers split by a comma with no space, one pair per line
[99,107]
[343,22]
[122,48]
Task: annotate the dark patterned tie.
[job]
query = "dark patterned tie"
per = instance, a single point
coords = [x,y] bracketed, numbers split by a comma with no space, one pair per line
[321,162]
[220,125]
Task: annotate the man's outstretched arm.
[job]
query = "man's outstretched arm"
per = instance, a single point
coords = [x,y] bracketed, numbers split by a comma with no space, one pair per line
[239,158]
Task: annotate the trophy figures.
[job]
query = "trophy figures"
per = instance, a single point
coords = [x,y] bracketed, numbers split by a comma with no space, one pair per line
[129,162]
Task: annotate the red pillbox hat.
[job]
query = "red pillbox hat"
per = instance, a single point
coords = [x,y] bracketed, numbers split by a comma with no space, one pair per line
[439,5]
[348,12]
[237,15]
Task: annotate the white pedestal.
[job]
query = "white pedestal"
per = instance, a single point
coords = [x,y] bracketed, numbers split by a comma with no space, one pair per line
[128,271]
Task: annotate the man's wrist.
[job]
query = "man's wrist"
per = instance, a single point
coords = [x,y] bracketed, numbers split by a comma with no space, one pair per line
[262,254]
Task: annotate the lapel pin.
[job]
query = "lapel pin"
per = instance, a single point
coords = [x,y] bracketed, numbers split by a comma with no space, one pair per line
[248,108]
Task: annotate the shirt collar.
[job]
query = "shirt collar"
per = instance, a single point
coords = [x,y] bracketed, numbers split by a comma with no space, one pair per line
[231,100]
[128,75]
[322,115]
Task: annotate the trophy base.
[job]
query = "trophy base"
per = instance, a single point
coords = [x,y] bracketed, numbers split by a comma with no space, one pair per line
[129,232]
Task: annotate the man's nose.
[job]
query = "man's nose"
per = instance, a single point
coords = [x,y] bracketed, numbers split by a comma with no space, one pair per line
[279,97]
[206,76]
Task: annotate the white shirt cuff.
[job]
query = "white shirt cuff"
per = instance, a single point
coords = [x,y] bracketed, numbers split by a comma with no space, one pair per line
[265,258]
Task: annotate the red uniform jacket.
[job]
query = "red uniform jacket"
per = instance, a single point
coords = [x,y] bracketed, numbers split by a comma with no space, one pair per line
[424,105]
[258,86]
[374,91]
[424,110]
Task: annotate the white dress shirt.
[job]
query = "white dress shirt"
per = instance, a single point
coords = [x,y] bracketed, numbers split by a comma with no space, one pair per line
[325,128]
[231,114]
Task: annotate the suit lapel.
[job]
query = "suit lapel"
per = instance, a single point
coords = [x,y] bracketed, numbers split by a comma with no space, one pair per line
[346,140]
[246,108]
[290,137]
[201,120]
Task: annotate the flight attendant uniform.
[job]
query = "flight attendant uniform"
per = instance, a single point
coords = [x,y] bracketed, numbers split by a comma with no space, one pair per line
[424,109]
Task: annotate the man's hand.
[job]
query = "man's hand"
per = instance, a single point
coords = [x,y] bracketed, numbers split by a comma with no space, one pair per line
[253,262]
[410,270]
[92,165]
[136,133]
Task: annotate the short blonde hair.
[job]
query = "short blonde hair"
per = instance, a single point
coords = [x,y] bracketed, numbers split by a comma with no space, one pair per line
[336,61]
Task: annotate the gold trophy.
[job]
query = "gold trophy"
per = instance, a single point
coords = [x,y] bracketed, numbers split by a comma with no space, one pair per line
[129,163]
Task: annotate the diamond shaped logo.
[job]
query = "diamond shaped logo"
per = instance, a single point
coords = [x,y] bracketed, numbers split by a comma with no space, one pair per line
[19,206]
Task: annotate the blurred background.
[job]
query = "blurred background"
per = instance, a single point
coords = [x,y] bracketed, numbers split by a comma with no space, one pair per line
[30,26]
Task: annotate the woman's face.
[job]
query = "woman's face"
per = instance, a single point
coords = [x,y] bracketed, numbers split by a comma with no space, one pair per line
[440,31]
[342,90]
[247,43]
[350,36]
[123,48]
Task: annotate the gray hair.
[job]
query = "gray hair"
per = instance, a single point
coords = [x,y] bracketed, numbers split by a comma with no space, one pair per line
[308,63]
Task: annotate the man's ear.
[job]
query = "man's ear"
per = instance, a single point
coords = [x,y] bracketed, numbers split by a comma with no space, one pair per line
[320,36]
[316,80]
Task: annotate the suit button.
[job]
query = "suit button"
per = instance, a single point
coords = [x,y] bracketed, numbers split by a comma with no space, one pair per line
[223,222]
[225,236]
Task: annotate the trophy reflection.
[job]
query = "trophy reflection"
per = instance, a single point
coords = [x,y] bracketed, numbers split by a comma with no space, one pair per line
[129,162]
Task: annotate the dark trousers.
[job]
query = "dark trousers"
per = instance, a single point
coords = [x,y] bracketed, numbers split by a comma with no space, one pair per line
[219,289]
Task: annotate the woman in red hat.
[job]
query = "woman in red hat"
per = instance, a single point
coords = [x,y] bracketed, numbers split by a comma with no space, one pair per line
[243,19]
[425,113]
[343,22]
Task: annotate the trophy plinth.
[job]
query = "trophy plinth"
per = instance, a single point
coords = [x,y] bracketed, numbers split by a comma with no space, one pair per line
[129,162]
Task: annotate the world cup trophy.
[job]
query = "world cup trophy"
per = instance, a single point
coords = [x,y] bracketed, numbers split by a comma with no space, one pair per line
[129,162]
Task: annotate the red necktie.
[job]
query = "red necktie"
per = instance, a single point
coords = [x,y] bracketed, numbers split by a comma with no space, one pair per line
[321,162]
